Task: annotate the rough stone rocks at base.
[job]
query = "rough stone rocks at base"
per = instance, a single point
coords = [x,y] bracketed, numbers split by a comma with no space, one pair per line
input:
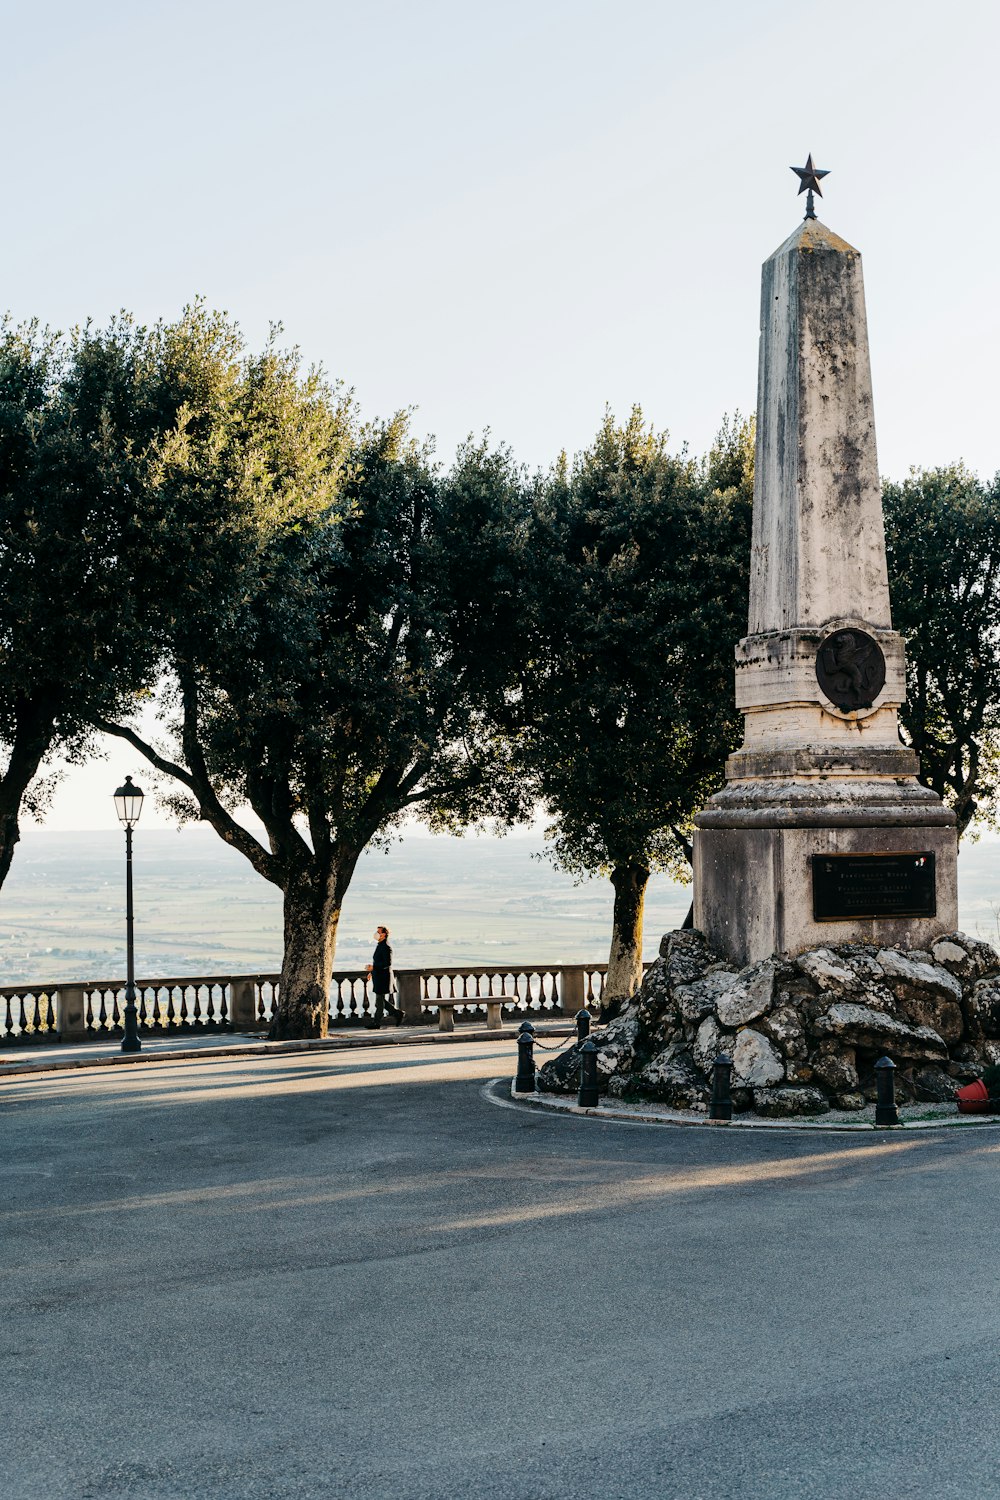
[933,1085]
[674,1078]
[981,1008]
[704,996]
[756,1061]
[821,966]
[860,1026]
[788,1102]
[708,1043]
[750,995]
[964,956]
[835,1069]
[784,1026]
[560,1074]
[803,1032]
[922,977]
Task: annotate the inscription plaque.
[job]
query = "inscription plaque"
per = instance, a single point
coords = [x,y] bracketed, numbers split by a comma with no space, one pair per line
[846,886]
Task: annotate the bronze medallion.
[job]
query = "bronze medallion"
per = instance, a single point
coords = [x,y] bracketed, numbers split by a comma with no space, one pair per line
[850,669]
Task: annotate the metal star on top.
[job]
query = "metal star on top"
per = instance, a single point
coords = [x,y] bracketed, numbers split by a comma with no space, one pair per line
[809,177]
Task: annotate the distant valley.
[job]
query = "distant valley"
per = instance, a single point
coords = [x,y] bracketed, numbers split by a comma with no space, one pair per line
[200,909]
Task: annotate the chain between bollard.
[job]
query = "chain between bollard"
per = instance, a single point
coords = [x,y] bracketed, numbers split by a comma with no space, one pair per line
[555,1047]
[526,1026]
[524,1080]
[560,1045]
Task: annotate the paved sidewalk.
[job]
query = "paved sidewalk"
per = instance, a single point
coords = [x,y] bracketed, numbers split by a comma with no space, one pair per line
[53,1057]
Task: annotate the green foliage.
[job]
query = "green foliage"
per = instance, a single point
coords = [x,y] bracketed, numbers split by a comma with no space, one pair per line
[943,546]
[73,636]
[639,581]
[991,1078]
[335,618]
[67,521]
[369,674]
[430,562]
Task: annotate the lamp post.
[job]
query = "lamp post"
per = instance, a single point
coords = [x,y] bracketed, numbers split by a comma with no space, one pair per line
[128,805]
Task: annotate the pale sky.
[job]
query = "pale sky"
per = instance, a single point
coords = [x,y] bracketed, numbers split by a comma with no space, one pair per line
[510,215]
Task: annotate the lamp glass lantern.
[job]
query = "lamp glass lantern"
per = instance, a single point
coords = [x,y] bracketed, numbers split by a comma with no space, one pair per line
[128,803]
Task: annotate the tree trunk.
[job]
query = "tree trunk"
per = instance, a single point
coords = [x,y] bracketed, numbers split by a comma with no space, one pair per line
[10,827]
[625,962]
[32,737]
[311,912]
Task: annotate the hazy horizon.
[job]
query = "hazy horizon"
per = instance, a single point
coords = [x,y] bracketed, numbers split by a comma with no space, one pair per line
[201,908]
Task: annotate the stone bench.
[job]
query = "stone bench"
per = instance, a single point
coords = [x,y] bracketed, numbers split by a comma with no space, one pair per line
[494,1011]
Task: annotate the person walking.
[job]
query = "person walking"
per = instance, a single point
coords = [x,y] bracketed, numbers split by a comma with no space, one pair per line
[383,980]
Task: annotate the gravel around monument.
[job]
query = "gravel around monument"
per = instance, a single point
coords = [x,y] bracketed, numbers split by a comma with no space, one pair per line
[804,1032]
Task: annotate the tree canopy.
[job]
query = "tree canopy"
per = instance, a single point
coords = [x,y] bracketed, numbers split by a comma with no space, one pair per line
[640,564]
[337,628]
[74,636]
[943,547]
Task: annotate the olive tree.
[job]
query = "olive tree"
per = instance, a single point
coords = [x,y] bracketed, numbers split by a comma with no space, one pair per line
[74,636]
[336,631]
[639,589]
[943,546]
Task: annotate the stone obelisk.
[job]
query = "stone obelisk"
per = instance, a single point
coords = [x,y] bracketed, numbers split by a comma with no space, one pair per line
[822,834]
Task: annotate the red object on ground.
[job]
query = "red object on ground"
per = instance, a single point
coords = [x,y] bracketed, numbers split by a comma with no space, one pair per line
[974,1099]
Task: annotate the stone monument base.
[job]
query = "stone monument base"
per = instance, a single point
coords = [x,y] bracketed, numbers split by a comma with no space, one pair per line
[803,1033]
[757,841]
[754,888]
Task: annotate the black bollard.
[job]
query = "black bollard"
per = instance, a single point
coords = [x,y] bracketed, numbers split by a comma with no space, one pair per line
[525,1026]
[582,1025]
[721,1107]
[886,1112]
[587,1097]
[524,1083]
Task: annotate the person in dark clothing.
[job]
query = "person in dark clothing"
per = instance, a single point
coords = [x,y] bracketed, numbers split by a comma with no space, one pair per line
[383,979]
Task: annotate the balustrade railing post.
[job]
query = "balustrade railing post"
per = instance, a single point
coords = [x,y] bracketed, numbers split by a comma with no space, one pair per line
[167,1006]
[71,1012]
[572,986]
[409,996]
[242,1004]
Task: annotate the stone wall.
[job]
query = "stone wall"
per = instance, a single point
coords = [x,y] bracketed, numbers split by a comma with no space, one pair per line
[804,1033]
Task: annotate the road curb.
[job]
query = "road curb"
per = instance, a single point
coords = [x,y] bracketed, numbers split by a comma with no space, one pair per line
[496,1092]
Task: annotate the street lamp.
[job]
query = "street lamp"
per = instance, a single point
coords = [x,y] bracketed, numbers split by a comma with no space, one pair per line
[128,806]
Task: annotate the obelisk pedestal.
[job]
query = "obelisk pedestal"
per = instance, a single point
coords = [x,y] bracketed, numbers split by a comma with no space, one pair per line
[823,833]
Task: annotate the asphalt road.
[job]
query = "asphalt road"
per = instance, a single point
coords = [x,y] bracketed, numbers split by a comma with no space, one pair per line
[354,1275]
